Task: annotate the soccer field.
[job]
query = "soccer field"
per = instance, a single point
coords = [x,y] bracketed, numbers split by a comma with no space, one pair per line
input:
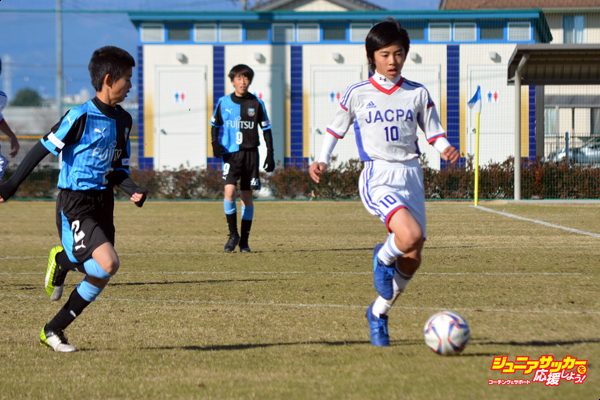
[182,319]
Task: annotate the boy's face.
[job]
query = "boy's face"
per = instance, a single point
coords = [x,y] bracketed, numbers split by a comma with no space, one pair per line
[241,84]
[120,88]
[390,60]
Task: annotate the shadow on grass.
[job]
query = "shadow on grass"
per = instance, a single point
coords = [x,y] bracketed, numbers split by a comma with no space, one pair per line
[246,346]
[188,282]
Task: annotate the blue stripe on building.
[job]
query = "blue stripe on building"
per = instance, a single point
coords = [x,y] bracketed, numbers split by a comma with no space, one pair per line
[532,141]
[218,90]
[143,162]
[296,158]
[453,98]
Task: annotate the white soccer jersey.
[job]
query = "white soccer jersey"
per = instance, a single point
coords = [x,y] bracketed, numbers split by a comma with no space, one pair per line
[386,116]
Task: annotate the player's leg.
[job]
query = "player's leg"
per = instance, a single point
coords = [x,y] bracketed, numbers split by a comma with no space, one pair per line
[249,181]
[92,245]
[401,256]
[103,264]
[230,177]
[61,261]
[247,217]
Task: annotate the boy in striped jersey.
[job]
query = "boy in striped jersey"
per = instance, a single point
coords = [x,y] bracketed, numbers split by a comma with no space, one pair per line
[386,111]
[93,139]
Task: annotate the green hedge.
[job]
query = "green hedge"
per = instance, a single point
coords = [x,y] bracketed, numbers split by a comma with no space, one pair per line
[539,181]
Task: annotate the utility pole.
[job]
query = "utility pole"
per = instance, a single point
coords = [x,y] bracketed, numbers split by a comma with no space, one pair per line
[59,60]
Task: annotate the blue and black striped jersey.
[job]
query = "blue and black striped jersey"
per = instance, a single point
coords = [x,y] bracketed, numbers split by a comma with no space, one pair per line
[240,118]
[93,139]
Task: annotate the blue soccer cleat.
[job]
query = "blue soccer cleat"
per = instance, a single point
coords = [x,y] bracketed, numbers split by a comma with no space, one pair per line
[383,275]
[378,328]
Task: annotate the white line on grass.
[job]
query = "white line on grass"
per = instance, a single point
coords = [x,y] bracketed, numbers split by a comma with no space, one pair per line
[540,222]
[317,305]
[336,273]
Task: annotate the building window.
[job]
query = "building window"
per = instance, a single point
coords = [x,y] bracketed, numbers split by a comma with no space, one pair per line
[153,33]
[178,34]
[551,121]
[465,32]
[415,32]
[573,26]
[595,122]
[334,32]
[439,32]
[358,32]
[491,30]
[283,33]
[230,33]
[519,31]
[257,33]
[308,32]
[205,33]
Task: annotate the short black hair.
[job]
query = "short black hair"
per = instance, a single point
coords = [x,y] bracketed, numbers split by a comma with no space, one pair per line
[383,34]
[241,69]
[110,60]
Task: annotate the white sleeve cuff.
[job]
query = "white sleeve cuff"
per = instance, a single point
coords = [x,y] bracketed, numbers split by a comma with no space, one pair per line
[329,142]
[441,144]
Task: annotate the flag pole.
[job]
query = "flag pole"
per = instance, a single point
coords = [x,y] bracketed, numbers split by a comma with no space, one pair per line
[476,194]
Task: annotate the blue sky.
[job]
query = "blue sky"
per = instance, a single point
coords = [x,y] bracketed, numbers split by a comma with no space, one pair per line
[28,35]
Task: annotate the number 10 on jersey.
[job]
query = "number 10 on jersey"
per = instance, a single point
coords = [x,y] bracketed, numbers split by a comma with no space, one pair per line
[391,133]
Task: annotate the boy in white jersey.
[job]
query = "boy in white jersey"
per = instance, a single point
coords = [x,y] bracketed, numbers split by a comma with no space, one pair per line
[386,111]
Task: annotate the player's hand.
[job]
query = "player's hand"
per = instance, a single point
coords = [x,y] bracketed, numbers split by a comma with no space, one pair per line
[269,165]
[139,198]
[450,154]
[217,149]
[14,147]
[1,199]
[315,170]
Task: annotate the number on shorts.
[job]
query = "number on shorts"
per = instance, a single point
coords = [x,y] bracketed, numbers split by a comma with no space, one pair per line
[226,167]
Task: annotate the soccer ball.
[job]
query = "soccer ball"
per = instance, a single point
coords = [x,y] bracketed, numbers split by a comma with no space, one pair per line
[446,333]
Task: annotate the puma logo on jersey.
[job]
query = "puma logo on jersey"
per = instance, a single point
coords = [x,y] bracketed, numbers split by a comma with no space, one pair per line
[389,116]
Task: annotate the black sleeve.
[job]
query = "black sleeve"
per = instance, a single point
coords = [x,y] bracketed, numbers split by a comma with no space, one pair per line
[73,135]
[31,160]
[122,179]
[214,134]
[268,139]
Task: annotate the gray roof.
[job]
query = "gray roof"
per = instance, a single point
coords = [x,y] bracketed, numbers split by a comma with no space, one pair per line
[556,64]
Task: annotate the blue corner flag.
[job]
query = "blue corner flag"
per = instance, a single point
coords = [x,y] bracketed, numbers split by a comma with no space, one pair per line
[476,100]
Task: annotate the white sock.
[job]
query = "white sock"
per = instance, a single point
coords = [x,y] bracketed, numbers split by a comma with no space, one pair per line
[383,306]
[389,252]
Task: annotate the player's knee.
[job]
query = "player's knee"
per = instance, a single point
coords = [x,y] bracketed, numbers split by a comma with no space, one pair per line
[112,267]
[409,240]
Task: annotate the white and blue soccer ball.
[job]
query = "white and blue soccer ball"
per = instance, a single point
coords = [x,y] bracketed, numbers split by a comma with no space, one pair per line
[446,333]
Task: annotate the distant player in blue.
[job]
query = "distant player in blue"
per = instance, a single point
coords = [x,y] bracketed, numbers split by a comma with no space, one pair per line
[234,135]
[4,127]
[93,139]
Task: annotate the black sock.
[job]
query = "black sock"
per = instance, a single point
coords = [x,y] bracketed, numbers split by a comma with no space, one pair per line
[67,314]
[246,225]
[63,260]
[232,224]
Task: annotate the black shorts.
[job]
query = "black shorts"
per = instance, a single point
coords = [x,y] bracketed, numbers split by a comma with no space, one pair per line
[85,221]
[243,166]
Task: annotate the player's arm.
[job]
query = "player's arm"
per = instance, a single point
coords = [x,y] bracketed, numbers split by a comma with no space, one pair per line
[434,132]
[120,175]
[216,122]
[31,160]
[342,121]
[61,134]
[14,142]
[269,165]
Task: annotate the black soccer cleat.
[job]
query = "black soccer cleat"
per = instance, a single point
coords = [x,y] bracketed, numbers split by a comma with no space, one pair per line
[244,248]
[232,242]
